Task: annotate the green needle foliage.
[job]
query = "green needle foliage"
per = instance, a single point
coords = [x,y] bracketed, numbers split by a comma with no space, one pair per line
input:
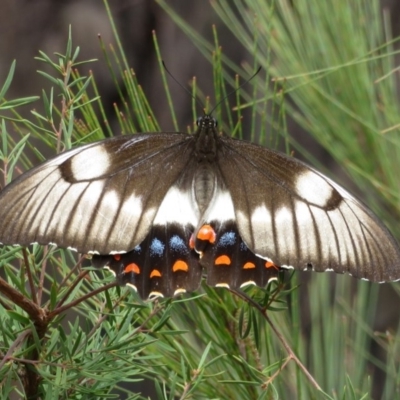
[334,61]
[68,332]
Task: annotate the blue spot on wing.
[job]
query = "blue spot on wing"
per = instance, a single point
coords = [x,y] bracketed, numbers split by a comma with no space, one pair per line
[177,244]
[157,247]
[243,246]
[227,239]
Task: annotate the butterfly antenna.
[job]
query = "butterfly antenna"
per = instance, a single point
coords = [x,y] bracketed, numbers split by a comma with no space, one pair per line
[182,86]
[236,89]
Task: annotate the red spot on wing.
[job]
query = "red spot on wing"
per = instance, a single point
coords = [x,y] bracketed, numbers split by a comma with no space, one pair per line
[249,265]
[223,260]
[155,274]
[117,257]
[180,266]
[191,242]
[132,268]
[207,233]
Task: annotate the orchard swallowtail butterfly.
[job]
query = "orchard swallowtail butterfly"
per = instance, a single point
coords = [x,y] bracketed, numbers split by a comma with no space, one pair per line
[157,208]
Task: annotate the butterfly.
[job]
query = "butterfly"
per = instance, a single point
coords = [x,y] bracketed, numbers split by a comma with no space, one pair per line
[159,208]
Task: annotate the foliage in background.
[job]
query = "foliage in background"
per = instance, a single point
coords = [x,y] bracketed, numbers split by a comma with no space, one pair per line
[210,345]
[335,62]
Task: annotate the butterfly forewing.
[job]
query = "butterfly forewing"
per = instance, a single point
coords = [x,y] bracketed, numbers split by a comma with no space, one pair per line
[290,213]
[98,198]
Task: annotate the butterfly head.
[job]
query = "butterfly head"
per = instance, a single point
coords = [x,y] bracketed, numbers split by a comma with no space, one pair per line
[206,122]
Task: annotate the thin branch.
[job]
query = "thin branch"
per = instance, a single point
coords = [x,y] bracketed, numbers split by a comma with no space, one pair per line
[30,277]
[291,353]
[36,313]
[42,275]
[285,344]
[72,288]
[274,375]
[72,271]
[15,345]
[59,310]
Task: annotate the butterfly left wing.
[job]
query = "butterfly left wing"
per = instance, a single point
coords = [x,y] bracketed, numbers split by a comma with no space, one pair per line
[292,215]
[163,264]
[101,197]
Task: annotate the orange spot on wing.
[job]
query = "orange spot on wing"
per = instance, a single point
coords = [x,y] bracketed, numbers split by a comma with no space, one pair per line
[249,265]
[207,233]
[155,274]
[132,268]
[269,264]
[223,260]
[180,266]
[117,257]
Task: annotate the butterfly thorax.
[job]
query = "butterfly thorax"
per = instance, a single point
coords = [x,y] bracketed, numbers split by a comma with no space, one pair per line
[206,139]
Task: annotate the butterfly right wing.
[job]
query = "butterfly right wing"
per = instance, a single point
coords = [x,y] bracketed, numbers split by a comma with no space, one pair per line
[101,197]
[295,217]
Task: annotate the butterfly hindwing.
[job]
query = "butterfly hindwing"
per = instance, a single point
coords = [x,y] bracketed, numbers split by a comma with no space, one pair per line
[228,261]
[162,265]
[224,255]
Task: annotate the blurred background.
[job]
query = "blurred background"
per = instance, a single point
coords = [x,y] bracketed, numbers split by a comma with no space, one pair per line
[28,26]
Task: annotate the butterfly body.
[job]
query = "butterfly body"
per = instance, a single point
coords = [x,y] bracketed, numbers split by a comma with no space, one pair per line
[157,208]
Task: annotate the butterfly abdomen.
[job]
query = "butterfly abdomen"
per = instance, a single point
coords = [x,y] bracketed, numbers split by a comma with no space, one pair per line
[204,185]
